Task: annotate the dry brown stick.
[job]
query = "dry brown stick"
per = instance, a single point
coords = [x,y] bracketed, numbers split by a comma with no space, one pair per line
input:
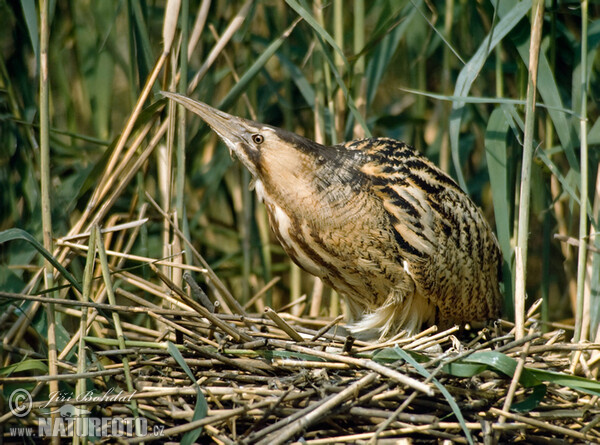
[283,325]
[226,360]
[66,302]
[323,407]
[361,363]
[590,425]
[384,414]
[107,229]
[261,292]
[267,413]
[575,361]
[540,349]
[182,329]
[217,437]
[79,248]
[291,304]
[327,327]
[398,340]
[319,323]
[143,303]
[520,342]
[215,419]
[539,424]
[402,432]
[368,397]
[298,328]
[282,423]
[225,327]
[307,364]
[424,342]
[60,377]
[151,288]
[198,292]
[513,384]
[575,242]
[131,327]
[403,406]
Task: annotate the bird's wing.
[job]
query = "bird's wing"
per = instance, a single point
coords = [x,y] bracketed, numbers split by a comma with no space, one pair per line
[451,251]
[408,185]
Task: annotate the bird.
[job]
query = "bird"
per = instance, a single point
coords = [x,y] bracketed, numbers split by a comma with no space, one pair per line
[374,219]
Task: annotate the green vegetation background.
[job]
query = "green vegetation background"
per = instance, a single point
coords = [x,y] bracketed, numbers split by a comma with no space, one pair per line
[448,77]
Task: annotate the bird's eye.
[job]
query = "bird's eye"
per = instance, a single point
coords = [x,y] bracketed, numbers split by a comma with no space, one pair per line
[258,138]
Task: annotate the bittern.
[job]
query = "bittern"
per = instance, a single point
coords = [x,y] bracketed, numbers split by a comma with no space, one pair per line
[393,234]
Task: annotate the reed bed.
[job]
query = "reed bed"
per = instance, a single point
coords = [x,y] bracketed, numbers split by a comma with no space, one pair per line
[135,262]
[200,368]
[260,380]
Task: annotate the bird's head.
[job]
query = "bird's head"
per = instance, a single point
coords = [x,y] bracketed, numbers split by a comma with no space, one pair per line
[273,156]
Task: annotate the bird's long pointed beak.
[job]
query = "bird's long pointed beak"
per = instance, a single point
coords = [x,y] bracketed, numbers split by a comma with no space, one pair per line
[225,125]
[235,131]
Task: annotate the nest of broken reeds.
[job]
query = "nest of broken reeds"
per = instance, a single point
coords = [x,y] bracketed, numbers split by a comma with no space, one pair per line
[200,369]
[105,335]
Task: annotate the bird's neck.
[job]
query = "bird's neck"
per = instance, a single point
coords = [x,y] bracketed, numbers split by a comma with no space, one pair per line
[318,208]
[312,190]
[294,195]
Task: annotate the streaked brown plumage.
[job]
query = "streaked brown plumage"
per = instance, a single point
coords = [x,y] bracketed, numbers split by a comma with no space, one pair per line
[378,222]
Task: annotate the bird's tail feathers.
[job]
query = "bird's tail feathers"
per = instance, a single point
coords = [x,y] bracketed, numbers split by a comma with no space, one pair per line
[399,314]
